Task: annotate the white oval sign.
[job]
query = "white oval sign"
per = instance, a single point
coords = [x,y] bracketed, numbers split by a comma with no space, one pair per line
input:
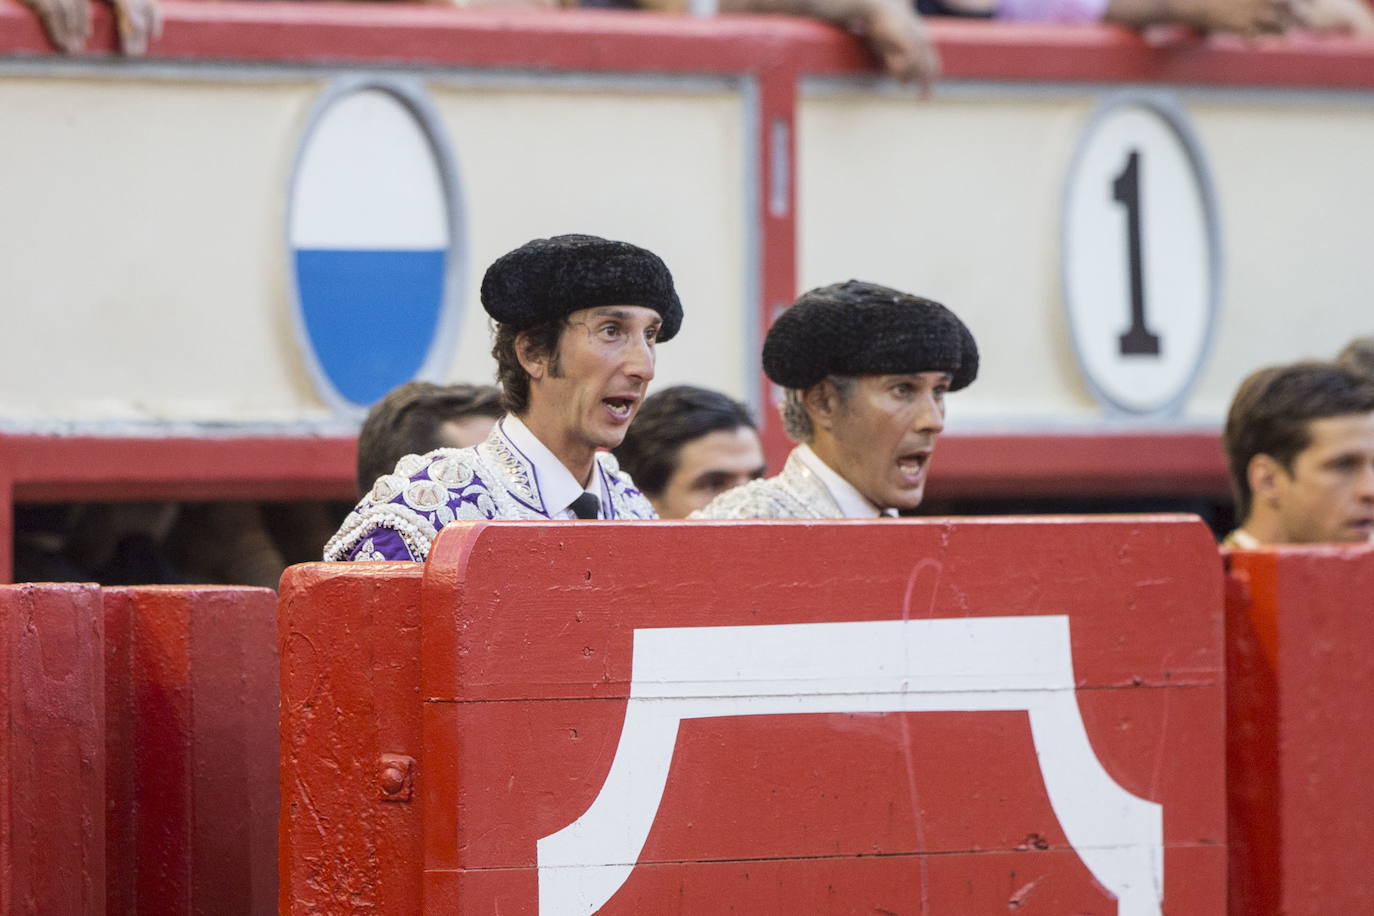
[373,229]
[1141,257]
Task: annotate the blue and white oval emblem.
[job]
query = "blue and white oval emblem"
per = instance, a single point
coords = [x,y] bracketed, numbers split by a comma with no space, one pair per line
[375,242]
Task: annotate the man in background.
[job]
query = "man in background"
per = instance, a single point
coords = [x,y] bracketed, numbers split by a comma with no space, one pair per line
[1358,356]
[689,445]
[1300,449]
[865,370]
[418,417]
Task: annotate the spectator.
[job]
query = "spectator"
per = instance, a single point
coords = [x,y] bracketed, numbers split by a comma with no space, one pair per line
[418,417]
[687,446]
[1300,449]
[1242,17]
[865,371]
[68,23]
[894,33]
[577,319]
[897,36]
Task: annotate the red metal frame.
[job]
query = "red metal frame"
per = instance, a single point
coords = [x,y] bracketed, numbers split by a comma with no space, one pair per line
[774,51]
[76,468]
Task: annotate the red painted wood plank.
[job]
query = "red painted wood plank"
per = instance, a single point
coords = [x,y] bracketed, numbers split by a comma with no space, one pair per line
[729,567]
[52,761]
[1163,463]
[1301,732]
[526,678]
[603,41]
[191,684]
[349,637]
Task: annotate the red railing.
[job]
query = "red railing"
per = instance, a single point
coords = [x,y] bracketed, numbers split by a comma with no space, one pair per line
[605,41]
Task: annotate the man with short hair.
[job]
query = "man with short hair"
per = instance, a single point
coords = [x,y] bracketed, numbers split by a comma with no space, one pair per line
[689,445]
[577,319]
[418,417]
[1300,448]
[865,370]
[1358,356]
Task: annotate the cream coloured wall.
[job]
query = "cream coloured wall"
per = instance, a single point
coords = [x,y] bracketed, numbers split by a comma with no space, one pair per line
[146,271]
[144,255]
[1296,188]
[145,259]
[960,199]
[665,171]
[957,200]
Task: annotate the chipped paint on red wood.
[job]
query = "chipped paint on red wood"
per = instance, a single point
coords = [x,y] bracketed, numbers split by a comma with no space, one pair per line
[191,691]
[526,679]
[350,643]
[1300,730]
[52,760]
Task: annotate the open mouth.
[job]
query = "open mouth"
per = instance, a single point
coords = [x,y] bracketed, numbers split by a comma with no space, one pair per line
[621,407]
[913,464]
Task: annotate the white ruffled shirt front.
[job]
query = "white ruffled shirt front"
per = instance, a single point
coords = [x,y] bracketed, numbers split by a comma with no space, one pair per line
[556,484]
[851,502]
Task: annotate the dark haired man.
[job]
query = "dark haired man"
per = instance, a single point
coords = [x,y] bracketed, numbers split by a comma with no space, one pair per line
[418,417]
[1300,449]
[687,446]
[1358,356]
[865,370]
[577,319]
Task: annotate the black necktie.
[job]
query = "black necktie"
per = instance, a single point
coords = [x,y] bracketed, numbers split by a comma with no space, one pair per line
[586,506]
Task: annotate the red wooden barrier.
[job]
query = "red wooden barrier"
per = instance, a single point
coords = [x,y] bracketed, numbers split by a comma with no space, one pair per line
[191,744]
[1300,752]
[52,761]
[940,717]
[350,838]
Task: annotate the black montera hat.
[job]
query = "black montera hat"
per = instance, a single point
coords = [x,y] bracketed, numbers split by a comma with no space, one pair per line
[857,328]
[548,278]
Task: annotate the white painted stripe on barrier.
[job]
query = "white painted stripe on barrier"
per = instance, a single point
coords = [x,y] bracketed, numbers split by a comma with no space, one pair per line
[952,665]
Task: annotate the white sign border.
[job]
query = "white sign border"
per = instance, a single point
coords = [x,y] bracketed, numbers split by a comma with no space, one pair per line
[410,93]
[1166,106]
[942,664]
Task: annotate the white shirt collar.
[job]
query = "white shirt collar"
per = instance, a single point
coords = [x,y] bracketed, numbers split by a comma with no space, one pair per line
[556,485]
[851,502]
[1245,540]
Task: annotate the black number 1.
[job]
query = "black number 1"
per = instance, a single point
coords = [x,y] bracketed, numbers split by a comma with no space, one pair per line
[1137,341]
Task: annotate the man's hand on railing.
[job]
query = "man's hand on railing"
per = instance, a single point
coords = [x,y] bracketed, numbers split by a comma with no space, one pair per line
[1249,18]
[894,32]
[899,39]
[68,23]
[139,21]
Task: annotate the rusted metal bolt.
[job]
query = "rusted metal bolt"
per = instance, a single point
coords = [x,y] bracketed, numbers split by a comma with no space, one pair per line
[393,779]
[396,777]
